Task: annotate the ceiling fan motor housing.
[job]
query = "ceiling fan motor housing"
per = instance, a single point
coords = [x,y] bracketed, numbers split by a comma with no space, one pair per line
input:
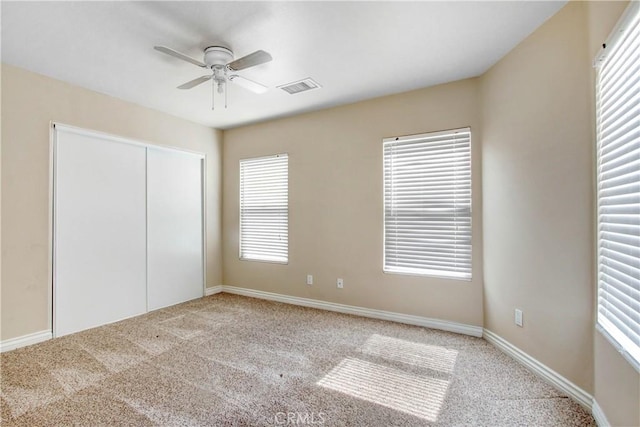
[217,56]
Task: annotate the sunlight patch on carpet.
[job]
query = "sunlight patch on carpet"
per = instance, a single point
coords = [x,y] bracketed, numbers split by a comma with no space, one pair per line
[413,394]
[412,353]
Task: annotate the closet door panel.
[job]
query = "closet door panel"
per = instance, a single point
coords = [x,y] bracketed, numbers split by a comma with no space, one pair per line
[174,227]
[100,231]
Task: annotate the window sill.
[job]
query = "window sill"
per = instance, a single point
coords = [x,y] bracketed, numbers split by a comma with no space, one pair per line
[624,353]
[426,274]
[267,261]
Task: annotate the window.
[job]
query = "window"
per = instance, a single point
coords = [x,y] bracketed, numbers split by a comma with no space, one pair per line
[618,175]
[427,204]
[264,209]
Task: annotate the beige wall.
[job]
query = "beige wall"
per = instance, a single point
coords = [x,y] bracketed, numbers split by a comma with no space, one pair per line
[617,385]
[538,203]
[29,102]
[538,175]
[336,203]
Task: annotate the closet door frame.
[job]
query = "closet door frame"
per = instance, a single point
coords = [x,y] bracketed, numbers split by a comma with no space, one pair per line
[53,125]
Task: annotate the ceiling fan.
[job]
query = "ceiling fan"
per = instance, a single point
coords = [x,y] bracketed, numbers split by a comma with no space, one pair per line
[220,61]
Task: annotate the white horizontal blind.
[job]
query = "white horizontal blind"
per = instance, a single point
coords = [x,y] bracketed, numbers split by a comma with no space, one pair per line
[264,208]
[427,204]
[618,151]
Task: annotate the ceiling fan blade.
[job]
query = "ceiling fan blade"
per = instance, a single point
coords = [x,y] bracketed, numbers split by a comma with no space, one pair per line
[256,58]
[195,82]
[179,55]
[248,84]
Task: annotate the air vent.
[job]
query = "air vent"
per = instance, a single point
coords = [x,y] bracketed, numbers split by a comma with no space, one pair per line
[300,86]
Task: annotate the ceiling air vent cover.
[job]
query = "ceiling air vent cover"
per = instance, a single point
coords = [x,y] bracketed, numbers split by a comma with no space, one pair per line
[300,86]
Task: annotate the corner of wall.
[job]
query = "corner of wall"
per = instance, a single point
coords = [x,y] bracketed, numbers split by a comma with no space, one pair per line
[528,247]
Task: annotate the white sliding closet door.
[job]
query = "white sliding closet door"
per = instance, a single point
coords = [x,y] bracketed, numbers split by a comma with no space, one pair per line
[100,232]
[174,227]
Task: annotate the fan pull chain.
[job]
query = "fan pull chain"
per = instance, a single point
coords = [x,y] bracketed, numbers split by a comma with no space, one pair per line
[213,94]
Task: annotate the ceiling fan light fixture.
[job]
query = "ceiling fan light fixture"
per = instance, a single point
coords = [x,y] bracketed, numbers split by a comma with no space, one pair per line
[217,56]
[219,60]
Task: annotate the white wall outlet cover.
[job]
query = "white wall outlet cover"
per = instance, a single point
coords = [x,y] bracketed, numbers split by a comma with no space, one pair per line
[518,317]
[340,283]
[309,279]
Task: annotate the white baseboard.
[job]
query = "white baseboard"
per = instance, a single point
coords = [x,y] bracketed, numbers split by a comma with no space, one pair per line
[212,290]
[599,416]
[443,325]
[557,380]
[25,340]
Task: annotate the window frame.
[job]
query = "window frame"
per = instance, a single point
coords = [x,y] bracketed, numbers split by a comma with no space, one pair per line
[240,210]
[623,343]
[428,272]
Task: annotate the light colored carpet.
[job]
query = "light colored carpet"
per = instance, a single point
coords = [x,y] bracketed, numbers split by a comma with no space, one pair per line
[230,360]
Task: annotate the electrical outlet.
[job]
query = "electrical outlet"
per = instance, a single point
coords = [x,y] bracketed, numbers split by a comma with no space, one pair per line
[309,279]
[340,283]
[518,317]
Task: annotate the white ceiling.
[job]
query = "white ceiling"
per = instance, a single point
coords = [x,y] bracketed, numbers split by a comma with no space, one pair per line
[355,50]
